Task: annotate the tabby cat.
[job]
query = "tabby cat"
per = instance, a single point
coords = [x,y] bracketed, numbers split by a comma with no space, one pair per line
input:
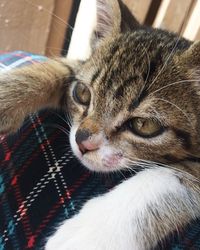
[134,105]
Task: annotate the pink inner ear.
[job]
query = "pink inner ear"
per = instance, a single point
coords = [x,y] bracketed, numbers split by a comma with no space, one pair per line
[104,18]
[108,18]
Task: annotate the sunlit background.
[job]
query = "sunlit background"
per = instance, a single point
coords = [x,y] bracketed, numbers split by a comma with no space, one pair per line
[45,26]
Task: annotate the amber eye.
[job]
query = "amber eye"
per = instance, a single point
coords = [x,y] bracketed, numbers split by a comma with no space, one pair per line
[81,94]
[145,127]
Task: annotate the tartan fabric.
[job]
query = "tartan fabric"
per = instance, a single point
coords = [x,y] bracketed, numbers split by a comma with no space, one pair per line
[41,182]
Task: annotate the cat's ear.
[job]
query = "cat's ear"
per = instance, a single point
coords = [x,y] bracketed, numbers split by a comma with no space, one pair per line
[112,17]
[191,57]
[189,63]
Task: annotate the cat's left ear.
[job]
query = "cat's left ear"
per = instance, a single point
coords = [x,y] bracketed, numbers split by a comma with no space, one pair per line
[189,63]
[112,17]
[191,57]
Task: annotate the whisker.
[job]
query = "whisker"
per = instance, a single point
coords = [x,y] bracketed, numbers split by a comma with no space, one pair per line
[68,118]
[121,173]
[181,30]
[52,14]
[171,84]
[165,64]
[177,107]
[149,68]
[66,121]
[152,164]
[61,128]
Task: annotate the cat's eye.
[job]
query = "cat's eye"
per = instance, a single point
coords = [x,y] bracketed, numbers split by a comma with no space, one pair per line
[81,94]
[145,127]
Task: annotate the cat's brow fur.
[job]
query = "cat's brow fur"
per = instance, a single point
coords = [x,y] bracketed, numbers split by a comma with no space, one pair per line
[133,71]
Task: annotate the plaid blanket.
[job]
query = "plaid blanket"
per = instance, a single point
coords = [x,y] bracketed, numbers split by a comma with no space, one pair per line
[42,183]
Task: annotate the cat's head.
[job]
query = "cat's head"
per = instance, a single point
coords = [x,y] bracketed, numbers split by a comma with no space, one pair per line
[136,97]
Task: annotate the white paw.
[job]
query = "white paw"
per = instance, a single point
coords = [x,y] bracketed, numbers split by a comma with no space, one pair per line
[122,220]
[91,229]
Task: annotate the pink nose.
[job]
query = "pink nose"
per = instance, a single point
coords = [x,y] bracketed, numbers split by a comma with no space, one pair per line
[86,146]
[85,141]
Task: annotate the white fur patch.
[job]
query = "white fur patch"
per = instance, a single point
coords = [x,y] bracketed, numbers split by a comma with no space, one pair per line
[117,220]
[85,24]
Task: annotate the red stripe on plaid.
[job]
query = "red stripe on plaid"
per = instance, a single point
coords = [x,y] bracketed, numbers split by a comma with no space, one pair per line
[26,133]
[24,218]
[79,182]
[46,220]
[26,165]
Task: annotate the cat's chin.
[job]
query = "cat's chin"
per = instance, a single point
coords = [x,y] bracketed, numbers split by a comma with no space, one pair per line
[93,161]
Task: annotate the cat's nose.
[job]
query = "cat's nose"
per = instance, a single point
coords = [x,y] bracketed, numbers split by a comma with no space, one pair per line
[85,142]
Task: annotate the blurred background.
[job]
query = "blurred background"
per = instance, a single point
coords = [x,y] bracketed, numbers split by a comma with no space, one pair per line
[46,26]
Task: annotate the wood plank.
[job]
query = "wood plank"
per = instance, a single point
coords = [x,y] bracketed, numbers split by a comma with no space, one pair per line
[193,25]
[172,14]
[197,38]
[25,24]
[58,28]
[139,8]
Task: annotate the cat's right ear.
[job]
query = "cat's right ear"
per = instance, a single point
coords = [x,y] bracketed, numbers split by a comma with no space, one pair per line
[112,17]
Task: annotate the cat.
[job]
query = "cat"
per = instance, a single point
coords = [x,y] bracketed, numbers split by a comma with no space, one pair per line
[134,105]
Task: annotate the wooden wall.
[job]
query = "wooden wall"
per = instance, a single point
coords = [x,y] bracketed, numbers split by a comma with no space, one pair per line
[181,16]
[37,26]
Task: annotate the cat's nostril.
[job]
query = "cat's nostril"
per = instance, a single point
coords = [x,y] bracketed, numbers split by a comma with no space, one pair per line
[86,141]
[82,135]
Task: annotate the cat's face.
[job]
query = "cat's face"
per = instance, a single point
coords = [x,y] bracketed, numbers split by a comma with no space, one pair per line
[132,101]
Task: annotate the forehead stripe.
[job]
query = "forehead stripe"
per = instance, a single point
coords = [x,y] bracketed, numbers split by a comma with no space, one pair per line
[110,59]
[121,89]
[135,103]
[95,76]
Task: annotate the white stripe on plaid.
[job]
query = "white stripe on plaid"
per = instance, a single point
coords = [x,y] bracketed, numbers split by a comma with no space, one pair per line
[45,180]
[16,63]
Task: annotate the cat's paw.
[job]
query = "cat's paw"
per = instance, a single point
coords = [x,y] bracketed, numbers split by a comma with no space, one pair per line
[11,113]
[77,234]
[67,237]
[9,122]
[12,106]
[95,227]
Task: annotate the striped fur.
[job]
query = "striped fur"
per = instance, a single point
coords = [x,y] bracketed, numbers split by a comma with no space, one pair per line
[133,72]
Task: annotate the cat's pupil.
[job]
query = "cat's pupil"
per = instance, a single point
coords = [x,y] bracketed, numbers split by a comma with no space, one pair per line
[140,123]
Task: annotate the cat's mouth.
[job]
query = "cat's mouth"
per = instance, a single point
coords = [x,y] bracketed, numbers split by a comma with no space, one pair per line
[102,160]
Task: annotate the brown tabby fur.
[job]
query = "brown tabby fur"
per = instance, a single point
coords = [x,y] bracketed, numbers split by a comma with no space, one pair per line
[144,72]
